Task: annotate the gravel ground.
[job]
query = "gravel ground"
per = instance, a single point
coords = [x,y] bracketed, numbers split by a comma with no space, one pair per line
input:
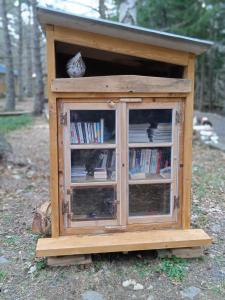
[24,185]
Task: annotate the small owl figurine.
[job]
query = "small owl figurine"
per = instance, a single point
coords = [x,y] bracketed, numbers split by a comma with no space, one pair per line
[76,66]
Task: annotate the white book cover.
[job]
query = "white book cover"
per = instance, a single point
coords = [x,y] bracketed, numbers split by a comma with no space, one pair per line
[80,132]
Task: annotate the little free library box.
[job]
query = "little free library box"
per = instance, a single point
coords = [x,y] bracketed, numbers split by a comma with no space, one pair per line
[120,137]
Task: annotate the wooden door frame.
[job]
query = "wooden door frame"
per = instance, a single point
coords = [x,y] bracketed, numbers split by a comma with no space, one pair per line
[82,104]
[122,226]
[173,216]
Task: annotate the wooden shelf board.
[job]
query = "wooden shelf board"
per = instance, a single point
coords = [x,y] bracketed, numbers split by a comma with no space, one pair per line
[122,241]
[149,145]
[121,84]
[90,183]
[151,180]
[93,146]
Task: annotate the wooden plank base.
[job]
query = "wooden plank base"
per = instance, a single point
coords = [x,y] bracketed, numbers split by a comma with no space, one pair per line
[193,252]
[71,260]
[121,241]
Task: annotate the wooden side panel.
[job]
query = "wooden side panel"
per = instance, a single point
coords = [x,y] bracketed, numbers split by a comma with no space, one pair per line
[124,241]
[121,83]
[117,45]
[187,170]
[53,133]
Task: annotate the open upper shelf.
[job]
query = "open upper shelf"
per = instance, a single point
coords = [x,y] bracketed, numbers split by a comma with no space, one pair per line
[105,63]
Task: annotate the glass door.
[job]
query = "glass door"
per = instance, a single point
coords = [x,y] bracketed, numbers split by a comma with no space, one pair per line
[91,160]
[152,155]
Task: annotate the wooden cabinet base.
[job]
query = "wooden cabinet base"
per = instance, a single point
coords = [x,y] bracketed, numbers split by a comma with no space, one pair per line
[71,260]
[192,252]
[122,241]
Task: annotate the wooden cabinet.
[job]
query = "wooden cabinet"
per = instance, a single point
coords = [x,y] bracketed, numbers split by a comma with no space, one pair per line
[121,163]
[120,137]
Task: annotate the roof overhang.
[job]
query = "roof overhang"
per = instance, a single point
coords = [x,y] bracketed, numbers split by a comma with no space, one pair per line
[60,18]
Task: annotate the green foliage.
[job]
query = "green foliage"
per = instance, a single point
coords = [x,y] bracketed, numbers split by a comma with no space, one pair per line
[2,275]
[41,264]
[12,123]
[174,268]
[199,19]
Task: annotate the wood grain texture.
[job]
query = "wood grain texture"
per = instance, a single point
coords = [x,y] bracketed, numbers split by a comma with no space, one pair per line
[123,241]
[121,84]
[187,150]
[116,45]
[53,133]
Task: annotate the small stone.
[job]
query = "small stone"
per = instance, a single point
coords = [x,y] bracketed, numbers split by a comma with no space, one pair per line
[138,287]
[92,295]
[30,174]
[17,177]
[32,269]
[216,228]
[190,293]
[150,287]
[150,297]
[128,282]
[3,260]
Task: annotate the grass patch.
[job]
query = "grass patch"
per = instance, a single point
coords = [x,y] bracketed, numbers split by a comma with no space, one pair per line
[41,264]
[2,276]
[142,268]
[10,123]
[174,268]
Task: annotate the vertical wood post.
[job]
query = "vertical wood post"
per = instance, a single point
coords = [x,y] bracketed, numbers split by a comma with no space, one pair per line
[53,132]
[188,129]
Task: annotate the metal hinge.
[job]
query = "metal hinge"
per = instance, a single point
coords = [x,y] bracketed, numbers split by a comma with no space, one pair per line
[65,208]
[63,119]
[178,117]
[176,202]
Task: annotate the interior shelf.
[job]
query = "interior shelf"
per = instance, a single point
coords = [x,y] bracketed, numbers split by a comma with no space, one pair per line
[150,180]
[93,146]
[95,182]
[149,145]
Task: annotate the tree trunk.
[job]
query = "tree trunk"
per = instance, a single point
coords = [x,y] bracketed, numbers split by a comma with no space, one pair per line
[20,53]
[10,85]
[29,73]
[102,9]
[39,85]
[128,12]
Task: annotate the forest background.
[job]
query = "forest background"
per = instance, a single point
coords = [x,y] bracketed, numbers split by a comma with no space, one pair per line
[22,43]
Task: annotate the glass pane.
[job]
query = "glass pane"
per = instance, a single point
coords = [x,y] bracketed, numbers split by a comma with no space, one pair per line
[149,200]
[92,126]
[93,165]
[150,125]
[93,203]
[149,163]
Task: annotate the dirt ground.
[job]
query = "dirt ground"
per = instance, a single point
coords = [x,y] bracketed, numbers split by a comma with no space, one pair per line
[24,185]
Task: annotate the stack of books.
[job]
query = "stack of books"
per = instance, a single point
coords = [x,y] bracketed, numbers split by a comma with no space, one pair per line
[138,133]
[103,168]
[87,132]
[161,134]
[106,165]
[78,172]
[100,173]
[145,162]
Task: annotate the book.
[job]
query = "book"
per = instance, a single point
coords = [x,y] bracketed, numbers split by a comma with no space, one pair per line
[100,173]
[87,132]
[138,175]
[102,130]
[148,161]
